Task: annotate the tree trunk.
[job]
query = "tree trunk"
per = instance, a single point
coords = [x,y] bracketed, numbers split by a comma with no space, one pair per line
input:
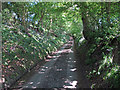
[86,29]
[0,13]
[0,6]
[23,19]
[40,22]
[119,52]
[108,13]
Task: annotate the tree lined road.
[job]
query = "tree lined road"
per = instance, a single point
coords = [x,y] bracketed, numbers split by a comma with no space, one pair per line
[32,30]
[58,72]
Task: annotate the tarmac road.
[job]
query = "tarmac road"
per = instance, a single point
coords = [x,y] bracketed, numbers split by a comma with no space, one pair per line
[58,72]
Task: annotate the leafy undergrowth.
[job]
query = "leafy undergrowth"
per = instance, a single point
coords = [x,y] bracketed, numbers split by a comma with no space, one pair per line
[22,51]
[102,69]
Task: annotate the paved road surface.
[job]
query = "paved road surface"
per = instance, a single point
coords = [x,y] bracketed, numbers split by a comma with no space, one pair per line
[58,72]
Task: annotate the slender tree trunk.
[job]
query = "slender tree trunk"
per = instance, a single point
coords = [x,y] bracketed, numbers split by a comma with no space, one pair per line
[102,17]
[108,12]
[41,19]
[23,18]
[0,6]
[0,12]
[40,22]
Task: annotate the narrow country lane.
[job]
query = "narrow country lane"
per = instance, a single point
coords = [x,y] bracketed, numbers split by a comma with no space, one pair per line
[59,45]
[58,72]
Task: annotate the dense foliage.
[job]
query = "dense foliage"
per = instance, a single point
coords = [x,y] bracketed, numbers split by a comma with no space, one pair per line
[30,31]
[102,33]
[28,38]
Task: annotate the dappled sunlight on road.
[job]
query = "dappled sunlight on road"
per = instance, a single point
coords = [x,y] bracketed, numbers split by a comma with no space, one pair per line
[65,51]
[59,71]
[72,84]
[73,69]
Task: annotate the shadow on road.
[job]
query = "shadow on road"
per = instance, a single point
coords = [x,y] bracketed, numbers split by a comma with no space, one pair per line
[59,71]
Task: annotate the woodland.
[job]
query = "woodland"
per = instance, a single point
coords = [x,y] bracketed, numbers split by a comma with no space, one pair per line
[33,30]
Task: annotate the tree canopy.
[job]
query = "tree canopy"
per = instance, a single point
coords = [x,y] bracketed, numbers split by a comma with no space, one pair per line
[32,30]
